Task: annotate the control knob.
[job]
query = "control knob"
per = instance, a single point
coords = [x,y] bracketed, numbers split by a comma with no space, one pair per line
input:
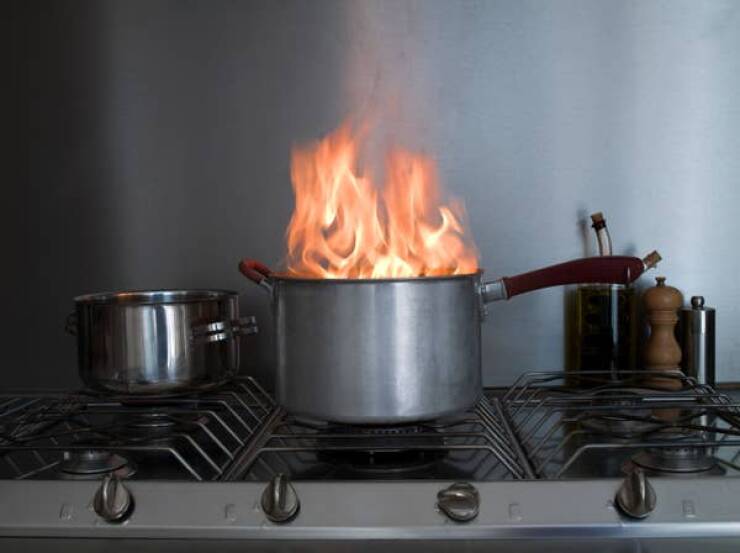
[459,502]
[113,501]
[280,501]
[636,497]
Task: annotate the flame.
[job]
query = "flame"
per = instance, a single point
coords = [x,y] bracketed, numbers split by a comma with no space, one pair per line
[343,226]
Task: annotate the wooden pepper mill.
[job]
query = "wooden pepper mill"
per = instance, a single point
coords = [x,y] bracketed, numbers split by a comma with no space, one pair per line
[662,352]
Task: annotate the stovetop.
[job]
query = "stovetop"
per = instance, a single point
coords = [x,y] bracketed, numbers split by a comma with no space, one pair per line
[559,459]
[546,426]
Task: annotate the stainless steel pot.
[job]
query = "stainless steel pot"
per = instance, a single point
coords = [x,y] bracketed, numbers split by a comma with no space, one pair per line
[388,351]
[158,341]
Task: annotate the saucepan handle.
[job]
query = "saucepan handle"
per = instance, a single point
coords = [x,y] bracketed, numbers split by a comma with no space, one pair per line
[220,331]
[612,269]
[257,272]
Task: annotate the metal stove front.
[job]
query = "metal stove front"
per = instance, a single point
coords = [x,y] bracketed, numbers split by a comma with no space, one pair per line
[542,464]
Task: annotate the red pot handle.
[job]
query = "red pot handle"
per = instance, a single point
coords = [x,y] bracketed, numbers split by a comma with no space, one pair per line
[613,269]
[255,271]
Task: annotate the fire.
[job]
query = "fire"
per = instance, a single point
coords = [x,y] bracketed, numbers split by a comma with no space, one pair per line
[344,226]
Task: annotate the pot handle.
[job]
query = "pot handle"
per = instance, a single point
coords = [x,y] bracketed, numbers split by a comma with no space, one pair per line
[223,330]
[612,269]
[257,272]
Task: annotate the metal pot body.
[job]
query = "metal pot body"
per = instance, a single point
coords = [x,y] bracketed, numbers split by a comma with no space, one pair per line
[391,351]
[160,341]
[378,351]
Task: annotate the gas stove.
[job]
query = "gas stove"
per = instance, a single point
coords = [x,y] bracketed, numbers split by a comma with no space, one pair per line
[557,457]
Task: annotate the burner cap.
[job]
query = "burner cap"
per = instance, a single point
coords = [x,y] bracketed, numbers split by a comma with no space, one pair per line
[619,426]
[150,421]
[634,420]
[93,463]
[682,459]
[157,423]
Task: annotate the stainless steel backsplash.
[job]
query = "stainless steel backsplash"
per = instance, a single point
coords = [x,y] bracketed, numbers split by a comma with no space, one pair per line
[155,140]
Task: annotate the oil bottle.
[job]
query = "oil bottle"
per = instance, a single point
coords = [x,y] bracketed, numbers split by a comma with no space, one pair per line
[605,333]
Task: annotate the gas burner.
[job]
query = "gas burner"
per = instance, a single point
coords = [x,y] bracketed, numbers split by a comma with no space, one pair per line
[157,423]
[369,436]
[676,459]
[626,423]
[383,450]
[151,421]
[91,464]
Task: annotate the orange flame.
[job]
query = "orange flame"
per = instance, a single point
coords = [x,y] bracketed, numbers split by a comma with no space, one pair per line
[343,227]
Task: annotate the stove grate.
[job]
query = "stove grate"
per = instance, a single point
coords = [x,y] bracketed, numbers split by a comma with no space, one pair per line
[562,428]
[478,445]
[540,428]
[200,434]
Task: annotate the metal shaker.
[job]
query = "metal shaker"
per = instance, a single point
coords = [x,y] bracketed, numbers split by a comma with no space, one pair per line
[696,336]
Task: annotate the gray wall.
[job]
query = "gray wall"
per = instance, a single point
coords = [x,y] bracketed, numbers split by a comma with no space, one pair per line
[153,143]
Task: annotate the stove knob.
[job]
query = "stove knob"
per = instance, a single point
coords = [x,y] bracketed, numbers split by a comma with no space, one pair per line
[636,497]
[459,502]
[113,502]
[279,501]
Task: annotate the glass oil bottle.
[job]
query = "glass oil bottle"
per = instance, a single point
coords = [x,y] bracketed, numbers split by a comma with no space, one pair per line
[605,333]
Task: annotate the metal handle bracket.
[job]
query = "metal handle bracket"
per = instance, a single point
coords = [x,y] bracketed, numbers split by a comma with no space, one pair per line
[219,331]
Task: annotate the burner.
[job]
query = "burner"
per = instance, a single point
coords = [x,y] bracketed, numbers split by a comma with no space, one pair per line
[383,450]
[675,459]
[90,464]
[626,423]
[157,423]
[621,425]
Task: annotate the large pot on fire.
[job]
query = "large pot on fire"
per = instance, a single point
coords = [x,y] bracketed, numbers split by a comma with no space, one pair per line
[390,351]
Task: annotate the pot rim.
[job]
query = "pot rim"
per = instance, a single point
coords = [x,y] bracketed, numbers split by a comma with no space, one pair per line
[284,277]
[155,296]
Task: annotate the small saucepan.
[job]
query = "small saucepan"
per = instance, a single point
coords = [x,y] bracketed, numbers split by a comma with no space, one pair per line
[158,341]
